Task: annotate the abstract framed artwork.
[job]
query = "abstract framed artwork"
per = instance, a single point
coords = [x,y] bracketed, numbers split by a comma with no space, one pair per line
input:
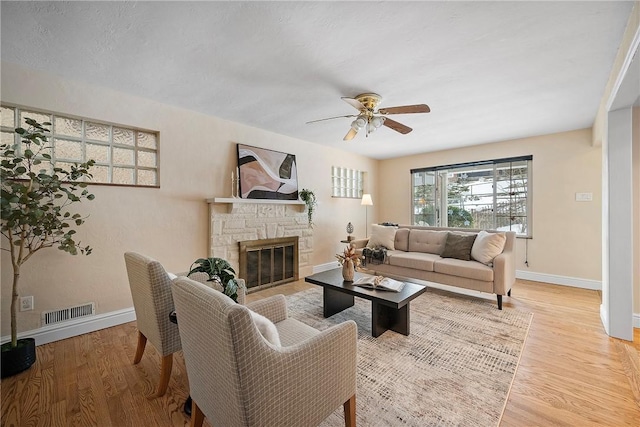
[267,174]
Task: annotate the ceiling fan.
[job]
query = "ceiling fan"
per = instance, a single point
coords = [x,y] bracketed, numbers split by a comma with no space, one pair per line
[371,117]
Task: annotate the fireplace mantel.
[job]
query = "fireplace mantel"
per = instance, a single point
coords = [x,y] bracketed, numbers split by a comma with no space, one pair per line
[234,200]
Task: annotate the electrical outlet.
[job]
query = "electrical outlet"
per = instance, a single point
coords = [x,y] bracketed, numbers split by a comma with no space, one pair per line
[26,303]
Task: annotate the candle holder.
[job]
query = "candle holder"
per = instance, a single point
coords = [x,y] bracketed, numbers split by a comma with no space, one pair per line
[235,186]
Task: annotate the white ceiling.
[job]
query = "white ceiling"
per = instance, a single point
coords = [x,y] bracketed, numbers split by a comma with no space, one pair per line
[490,71]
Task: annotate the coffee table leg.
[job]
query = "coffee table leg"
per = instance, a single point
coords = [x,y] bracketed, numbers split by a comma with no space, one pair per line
[384,317]
[335,301]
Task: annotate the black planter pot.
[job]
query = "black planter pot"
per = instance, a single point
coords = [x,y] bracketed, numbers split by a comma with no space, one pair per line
[18,359]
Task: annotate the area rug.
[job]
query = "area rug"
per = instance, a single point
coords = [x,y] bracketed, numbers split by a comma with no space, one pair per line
[454,369]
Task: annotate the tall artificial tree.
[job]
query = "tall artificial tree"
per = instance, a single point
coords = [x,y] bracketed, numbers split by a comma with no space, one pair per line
[36,198]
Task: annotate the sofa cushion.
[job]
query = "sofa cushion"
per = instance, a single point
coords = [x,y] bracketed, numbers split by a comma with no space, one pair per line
[427,241]
[468,269]
[416,260]
[458,245]
[402,239]
[382,236]
[487,246]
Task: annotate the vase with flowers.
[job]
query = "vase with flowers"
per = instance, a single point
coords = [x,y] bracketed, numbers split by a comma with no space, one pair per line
[349,260]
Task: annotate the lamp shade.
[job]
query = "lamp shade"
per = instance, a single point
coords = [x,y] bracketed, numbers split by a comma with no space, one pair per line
[366,200]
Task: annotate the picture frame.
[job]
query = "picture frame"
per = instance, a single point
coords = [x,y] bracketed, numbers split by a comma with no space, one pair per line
[266,174]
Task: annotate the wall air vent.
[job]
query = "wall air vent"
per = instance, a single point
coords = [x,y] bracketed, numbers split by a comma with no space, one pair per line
[65,314]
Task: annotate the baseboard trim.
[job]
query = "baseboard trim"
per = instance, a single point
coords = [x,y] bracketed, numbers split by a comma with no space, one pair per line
[604,318]
[77,327]
[575,282]
[324,267]
[636,320]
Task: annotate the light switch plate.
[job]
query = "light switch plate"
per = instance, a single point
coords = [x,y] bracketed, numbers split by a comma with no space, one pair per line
[584,197]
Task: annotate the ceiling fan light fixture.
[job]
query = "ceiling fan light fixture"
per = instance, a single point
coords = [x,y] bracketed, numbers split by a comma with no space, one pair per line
[370,117]
[359,123]
[377,121]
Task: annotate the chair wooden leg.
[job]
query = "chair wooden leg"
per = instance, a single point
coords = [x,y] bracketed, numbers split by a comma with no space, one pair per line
[350,412]
[165,374]
[197,417]
[142,342]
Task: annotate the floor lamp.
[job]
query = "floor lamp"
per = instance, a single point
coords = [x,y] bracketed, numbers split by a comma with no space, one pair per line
[366,202]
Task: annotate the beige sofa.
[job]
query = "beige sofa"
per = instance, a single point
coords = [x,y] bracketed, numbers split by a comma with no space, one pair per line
[416,254]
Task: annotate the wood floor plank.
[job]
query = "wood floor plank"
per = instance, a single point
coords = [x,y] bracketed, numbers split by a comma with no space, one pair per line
[570,374]
[630,359]
[55,417]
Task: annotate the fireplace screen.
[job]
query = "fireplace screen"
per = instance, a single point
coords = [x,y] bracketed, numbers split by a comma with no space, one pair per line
[268,262]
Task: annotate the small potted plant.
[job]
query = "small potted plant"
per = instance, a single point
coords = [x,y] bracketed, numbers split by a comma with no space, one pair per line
[309,199]
[36,195]
[220,271]
[349,260]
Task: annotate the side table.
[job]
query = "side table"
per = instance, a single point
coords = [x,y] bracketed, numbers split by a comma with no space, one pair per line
[187,404]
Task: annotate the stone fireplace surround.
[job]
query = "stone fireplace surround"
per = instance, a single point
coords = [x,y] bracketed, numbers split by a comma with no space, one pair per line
[233,220]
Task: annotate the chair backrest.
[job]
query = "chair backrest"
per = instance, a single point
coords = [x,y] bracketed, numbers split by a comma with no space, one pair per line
[153,301]
[208,345]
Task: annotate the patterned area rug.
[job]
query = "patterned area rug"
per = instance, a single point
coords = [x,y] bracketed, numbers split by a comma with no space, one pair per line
[454,369]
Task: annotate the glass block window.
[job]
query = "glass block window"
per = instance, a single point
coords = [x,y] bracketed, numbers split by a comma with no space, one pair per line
[123,156]
[348,183]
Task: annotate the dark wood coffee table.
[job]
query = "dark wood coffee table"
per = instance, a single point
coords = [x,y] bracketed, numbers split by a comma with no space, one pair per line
[389,310]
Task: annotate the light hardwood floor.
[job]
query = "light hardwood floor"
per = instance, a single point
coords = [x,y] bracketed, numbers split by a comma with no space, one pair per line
[571,373]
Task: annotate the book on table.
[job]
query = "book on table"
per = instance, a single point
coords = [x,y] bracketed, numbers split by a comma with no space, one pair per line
[379,283]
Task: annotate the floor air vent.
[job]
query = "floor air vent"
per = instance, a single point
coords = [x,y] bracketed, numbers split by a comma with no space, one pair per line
[64,314]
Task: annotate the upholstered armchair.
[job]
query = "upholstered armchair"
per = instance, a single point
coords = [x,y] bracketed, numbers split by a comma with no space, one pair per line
[152,300]
[238,378]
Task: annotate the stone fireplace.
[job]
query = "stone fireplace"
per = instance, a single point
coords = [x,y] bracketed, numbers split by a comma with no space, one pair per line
[268,262]
[234,221]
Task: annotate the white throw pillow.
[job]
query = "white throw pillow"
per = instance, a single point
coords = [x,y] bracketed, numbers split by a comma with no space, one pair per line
[171,276]
[266,327]
[487,246]
[382,235]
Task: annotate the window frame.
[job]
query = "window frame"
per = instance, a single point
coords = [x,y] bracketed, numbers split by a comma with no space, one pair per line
[347,183]
[52,135]
[438,197]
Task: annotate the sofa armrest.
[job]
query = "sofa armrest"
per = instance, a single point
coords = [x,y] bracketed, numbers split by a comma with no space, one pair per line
[273,308]
[359,243]
[504,266]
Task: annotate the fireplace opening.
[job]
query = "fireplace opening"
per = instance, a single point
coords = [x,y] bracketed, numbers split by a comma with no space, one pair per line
[268,262]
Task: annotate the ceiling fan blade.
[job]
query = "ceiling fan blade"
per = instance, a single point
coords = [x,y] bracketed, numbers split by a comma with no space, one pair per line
[405,109]
[331,118]
[398,127]
[350,135]
[354,103]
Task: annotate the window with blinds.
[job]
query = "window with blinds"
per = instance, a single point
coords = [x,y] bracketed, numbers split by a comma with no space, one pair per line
[490,194]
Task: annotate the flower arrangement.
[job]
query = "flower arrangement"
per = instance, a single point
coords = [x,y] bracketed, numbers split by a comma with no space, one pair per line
[349,254]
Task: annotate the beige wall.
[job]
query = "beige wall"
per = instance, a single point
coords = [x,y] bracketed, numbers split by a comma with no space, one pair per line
[197,153]
[636,209]
[566,234]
